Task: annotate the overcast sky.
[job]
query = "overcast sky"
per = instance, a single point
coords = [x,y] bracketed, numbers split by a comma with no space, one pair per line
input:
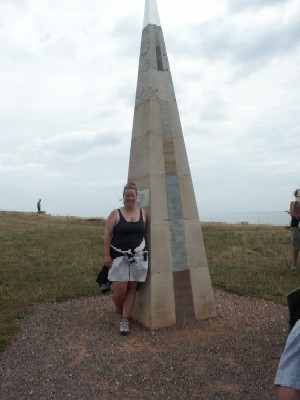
[68,73]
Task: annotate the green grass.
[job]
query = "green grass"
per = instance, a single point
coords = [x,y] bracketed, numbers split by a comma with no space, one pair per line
[46,259]
[251,260]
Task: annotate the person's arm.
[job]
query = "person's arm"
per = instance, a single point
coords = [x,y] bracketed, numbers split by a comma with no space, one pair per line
[295,209]
[109,227]
[144,216]
[292,209]
[286,393]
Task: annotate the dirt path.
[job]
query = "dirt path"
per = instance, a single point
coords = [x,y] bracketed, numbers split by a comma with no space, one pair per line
[73,350]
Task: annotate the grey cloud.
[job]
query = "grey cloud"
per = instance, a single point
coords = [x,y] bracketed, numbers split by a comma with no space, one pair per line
[127,34]
[79,144]
[126,92]
[66,72]
[18,3]
[239,5]
[128,26]
[221,39]
[266,45]
[60,49]
[214,108]
[59,152]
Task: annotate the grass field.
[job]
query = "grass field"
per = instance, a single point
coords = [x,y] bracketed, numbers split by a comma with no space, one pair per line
[46,259]
[251,260]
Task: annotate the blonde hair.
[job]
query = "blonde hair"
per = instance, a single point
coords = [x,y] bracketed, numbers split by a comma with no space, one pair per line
[297,193]
[130,185]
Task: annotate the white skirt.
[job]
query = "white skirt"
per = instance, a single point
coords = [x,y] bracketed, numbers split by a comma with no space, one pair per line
[122,270]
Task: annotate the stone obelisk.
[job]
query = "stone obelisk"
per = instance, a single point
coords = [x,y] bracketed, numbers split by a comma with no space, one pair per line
[178,287]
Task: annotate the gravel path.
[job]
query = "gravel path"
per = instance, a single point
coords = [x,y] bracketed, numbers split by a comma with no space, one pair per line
[73,350]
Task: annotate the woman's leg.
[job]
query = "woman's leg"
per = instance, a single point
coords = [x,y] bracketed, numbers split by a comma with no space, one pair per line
[119,293]
[129,299]
[295,257]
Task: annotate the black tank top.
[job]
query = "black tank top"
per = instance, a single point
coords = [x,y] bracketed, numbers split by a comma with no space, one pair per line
[294,222]
[127,235]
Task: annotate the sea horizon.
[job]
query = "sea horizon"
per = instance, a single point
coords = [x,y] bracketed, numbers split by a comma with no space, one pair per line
[276,218]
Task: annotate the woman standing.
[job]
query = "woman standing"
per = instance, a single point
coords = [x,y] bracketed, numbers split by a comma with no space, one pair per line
[125,253]
[295,214]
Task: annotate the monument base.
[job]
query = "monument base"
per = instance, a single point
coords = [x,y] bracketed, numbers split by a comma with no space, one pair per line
[168,300]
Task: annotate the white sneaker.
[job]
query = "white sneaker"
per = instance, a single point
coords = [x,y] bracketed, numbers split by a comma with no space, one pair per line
[293,267]
[124,327]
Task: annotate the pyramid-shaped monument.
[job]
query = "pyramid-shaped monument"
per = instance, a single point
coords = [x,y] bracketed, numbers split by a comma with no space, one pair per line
[178,287]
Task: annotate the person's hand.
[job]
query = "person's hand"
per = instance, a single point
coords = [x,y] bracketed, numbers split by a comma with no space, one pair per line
[108,261]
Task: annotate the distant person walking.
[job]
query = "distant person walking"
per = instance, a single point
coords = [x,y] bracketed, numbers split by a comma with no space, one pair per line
[39,206]
[295,214]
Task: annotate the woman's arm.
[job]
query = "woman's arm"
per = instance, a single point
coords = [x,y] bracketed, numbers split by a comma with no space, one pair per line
[144,216]
[111,221]
[291,208]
